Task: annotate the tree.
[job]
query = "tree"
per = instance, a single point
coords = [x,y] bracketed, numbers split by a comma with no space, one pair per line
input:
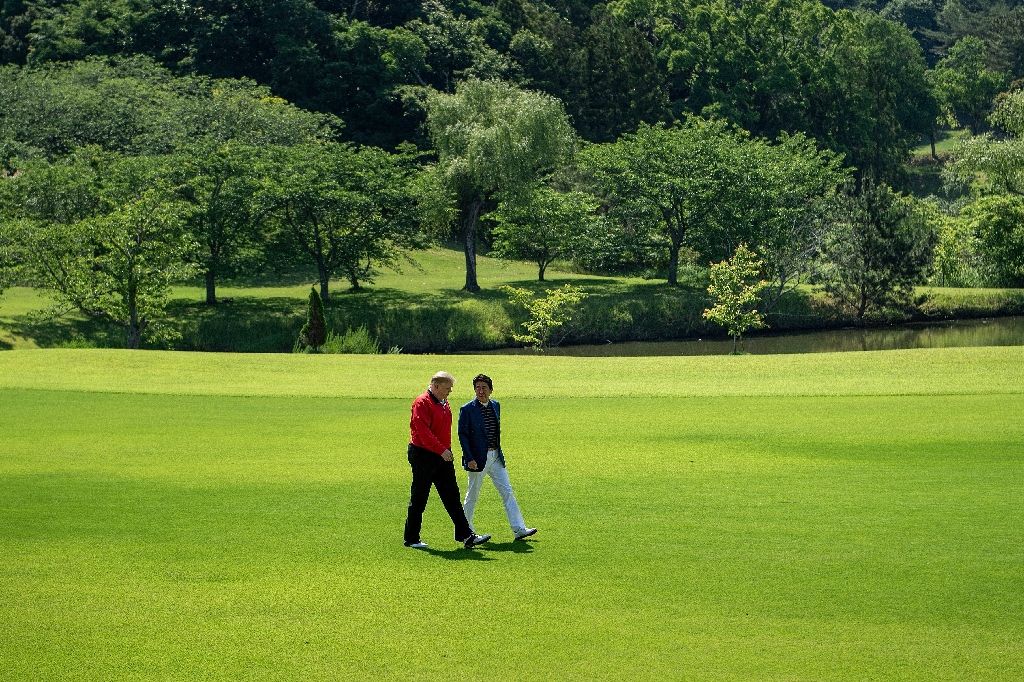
[852,80]
[51,110]
[545,314]
[992,165]
[998,222]
[314,333]
[491,138]
[8,260]
[735,287]
[615,81]
[787,218]
[232,126]
[959,261]
[459,46]
[106,236]
[965,86]
[222,183]
[673,186]
[346,210]
[993,168]
[870,94]
[541,225]
[998,22]
[880,245]
[135,107]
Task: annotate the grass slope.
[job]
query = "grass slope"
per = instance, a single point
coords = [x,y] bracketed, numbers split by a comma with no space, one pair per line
[422,309]
[851,516]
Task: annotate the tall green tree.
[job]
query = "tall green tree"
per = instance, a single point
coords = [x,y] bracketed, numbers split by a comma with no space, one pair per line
[992,164]
[541,225]
[615,81]
[491,138]
[881,245]
[852,80]
[871,93]
[676,187]
[135,107]
[999,23]
[222,183]
[786,220]
[106,236]
[965,86]
[345,210]
[51,110]
[998,223]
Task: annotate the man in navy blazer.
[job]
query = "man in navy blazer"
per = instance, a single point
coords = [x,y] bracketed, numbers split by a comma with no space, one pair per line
[480,438]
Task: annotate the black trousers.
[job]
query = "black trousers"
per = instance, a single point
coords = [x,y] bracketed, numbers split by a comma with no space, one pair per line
[429,469]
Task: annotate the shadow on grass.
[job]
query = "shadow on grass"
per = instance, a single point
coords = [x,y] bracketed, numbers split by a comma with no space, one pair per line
[49,331]
[514,546]
[461,554]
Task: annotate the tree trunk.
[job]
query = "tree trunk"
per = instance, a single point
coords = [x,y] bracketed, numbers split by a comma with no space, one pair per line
[862,307]
[931,138]
[134,328]
[540,272]
[211,287]
[472,214]
[673,263]
[324,285]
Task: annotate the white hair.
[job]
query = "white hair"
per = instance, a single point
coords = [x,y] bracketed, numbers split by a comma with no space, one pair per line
[442,378]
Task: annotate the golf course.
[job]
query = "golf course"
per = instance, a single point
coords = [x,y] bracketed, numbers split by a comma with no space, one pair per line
[194,516]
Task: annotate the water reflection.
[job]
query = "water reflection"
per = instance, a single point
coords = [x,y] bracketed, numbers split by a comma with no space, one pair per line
[1002,331]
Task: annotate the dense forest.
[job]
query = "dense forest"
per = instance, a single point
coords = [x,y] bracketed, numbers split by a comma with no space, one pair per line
[796,65]
[655,132]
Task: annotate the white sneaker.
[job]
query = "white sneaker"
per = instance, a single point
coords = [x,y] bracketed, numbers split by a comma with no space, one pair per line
[417,545]
[525,533]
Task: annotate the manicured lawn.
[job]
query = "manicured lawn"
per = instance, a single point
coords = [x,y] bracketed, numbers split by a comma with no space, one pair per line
[831,516]
[947,141]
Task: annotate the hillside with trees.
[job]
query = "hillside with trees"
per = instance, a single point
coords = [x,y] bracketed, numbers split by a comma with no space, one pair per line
[147,142]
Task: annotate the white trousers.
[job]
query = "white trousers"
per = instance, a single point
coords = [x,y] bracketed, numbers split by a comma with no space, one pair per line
[499,475]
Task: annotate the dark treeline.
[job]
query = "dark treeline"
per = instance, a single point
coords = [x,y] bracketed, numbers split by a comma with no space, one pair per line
[794,65]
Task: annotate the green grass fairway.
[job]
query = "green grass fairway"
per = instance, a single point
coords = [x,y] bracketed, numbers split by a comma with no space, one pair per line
[833,516]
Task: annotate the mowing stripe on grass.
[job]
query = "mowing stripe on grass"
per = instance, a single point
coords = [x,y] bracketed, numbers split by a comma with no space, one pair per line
[934,371]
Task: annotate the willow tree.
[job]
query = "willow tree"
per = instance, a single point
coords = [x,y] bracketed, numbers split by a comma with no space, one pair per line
[491,139]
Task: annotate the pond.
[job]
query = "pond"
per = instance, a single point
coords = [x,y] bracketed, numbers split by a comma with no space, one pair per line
[1001,331]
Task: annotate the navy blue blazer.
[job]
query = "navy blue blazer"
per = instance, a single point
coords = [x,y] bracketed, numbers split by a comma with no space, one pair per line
[473,434]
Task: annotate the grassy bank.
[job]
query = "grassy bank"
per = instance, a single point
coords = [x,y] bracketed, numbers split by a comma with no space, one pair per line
[220,516]
[423,309]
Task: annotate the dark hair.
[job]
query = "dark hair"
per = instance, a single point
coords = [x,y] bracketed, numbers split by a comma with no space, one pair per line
[484,378]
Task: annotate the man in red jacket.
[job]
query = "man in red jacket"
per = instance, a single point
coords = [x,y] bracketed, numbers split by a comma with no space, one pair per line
[430,455]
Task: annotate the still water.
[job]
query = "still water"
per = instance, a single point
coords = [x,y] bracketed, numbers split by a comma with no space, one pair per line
[1001,331]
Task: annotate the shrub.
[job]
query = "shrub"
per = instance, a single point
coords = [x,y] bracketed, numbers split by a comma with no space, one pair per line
[353,341]
[314,333]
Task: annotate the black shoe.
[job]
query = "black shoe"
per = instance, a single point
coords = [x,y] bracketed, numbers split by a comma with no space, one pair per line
[474,540]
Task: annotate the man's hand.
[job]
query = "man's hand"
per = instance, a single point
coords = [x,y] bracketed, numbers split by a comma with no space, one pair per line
[447,455]
[472,465]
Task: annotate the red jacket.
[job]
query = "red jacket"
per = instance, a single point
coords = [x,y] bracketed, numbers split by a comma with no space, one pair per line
[431,424]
